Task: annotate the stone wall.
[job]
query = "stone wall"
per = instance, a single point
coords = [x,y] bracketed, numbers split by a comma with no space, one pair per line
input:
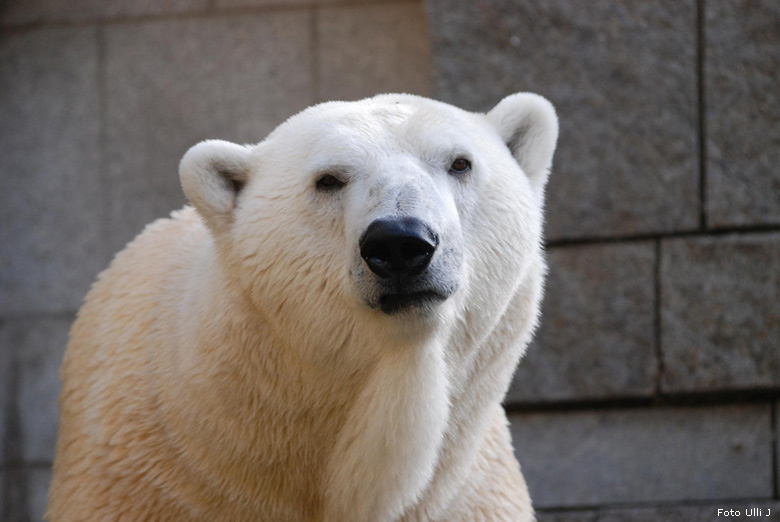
[650,392]
[99,99]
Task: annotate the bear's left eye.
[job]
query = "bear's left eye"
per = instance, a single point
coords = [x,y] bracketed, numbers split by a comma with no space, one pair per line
[460,166]
[329,182]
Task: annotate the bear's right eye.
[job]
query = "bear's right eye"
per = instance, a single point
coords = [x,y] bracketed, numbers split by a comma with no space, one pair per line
[329,182]
[460,166]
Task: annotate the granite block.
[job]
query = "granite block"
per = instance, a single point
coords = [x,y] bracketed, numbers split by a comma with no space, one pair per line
[52,192]
[367,50]
[597,337]
[720,312]
[588,458]
[171,84]
[742,93]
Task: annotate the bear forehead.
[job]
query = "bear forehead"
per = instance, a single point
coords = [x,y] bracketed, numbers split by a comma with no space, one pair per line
[381,117]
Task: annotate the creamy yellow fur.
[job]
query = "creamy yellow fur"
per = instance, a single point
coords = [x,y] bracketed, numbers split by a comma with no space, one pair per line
[186,397]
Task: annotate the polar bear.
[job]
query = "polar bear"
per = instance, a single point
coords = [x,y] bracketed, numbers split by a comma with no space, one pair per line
[327,335]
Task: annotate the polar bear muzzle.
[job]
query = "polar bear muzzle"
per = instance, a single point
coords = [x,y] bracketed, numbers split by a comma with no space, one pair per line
[398,251]
[398,247]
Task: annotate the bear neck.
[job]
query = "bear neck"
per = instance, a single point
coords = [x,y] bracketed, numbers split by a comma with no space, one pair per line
[367,445]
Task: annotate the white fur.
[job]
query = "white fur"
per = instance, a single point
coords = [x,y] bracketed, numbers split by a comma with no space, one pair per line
[207,171]
[528,124]
[266,348]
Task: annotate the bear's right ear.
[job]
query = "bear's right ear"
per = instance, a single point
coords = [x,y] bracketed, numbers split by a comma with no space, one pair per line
[528,125]
[212,174]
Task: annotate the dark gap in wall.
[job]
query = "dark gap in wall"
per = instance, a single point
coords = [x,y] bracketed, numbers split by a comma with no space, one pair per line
[657,319]
[15,497]
[702,137]
[775,479]
[12,437]
[15,315]
[750,229]
[684,399]
[14,494]
[19,465]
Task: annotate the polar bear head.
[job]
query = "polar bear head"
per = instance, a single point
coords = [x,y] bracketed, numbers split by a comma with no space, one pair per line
[394,210]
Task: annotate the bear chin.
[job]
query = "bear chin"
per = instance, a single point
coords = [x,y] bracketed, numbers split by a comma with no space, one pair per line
[420,301]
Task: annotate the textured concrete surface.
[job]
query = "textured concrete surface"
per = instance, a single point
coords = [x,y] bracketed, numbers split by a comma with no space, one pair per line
[742,93]
[596,338]
[622,76]
[768,512]
[369,50]
[25,494]
[720,317]
[15,12]
[34,349]
[50,180]
[649,455]
[171,84]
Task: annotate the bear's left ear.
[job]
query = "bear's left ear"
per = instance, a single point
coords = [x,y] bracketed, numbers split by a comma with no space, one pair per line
[528,125]
[212,174]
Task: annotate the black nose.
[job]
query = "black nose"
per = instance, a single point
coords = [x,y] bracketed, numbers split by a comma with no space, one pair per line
[397,247]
